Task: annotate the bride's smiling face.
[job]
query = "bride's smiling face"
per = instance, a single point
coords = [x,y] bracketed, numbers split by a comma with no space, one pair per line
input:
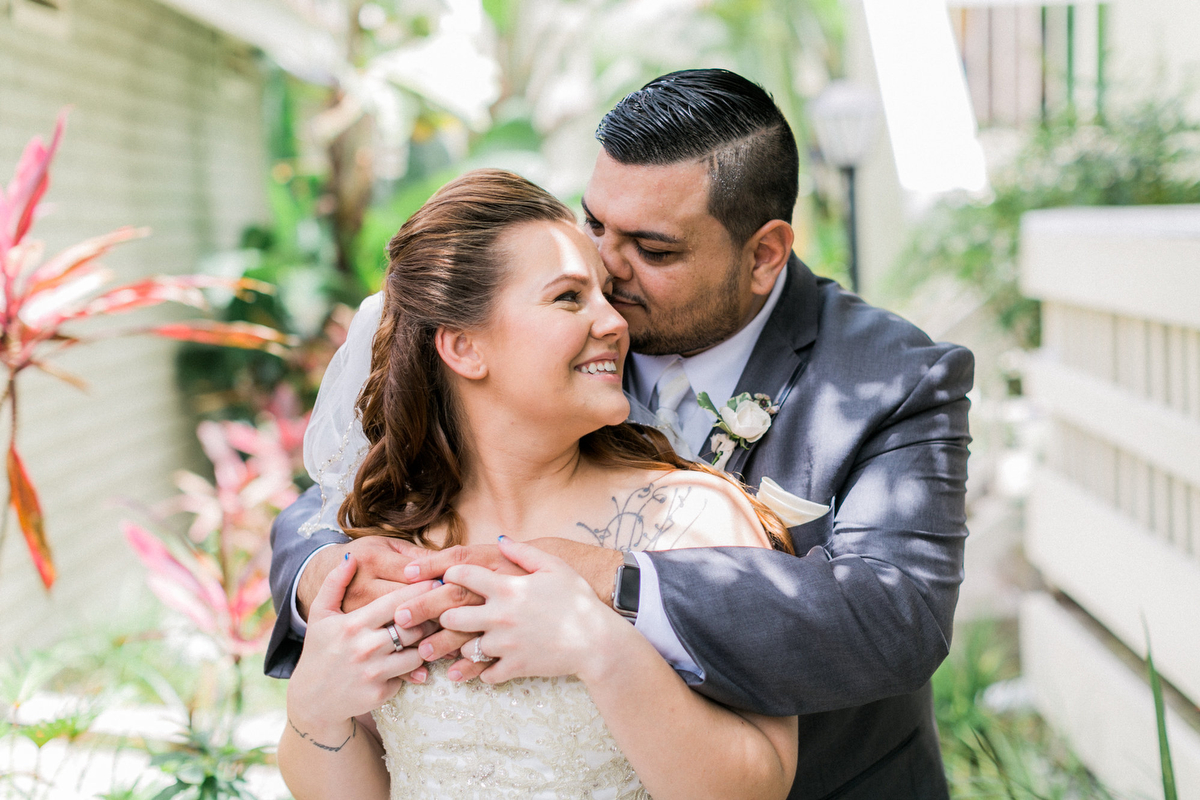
[554,347]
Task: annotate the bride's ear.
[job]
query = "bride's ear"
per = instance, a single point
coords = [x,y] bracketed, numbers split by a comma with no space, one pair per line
[459,351]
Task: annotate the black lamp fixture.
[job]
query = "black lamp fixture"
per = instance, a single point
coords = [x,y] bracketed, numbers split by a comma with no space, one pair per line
[845,117]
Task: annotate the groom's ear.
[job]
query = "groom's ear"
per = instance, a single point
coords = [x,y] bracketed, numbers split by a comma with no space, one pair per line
[769,250]
[458,349]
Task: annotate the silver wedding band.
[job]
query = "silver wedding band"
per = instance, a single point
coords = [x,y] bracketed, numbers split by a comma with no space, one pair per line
[478,657]
[391,629]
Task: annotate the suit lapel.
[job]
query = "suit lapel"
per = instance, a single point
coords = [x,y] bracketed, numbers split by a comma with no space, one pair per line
[781,353]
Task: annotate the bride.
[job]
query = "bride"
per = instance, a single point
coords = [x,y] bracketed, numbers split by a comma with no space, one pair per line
[494,407]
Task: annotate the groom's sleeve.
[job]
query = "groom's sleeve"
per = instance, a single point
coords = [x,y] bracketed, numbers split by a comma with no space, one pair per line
[289,552]
[867,615]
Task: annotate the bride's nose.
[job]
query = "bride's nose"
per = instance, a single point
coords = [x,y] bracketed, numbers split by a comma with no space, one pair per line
[608,321]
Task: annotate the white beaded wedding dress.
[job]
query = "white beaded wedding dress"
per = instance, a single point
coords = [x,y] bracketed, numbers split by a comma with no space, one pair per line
[529,738]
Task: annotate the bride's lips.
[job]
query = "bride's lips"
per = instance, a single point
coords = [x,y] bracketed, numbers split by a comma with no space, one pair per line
[605,366]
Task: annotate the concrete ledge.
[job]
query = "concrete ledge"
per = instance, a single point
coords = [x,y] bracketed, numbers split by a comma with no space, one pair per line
[1103,708]
[1137,261]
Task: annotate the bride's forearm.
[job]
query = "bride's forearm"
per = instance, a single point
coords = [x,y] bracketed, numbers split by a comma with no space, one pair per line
[681,744]
[320,761]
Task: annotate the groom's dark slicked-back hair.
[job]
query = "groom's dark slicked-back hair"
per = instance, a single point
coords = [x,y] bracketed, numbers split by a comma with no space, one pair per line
[719,116]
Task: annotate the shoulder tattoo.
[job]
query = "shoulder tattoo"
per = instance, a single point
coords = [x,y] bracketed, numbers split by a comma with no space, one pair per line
[651,518]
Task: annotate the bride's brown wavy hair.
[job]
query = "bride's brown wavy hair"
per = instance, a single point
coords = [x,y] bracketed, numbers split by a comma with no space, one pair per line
[444,272]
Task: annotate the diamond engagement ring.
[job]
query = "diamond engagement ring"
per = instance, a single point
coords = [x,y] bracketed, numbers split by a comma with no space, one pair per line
[391,629]
[477,656]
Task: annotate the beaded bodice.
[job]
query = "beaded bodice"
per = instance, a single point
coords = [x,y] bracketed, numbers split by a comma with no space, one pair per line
[535,738]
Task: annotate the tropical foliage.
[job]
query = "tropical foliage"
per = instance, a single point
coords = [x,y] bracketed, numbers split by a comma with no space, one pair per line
[42,296]
[993,744]
[215,574]
[1148,154]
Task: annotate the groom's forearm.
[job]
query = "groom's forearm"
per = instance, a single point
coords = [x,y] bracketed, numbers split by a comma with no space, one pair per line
[289,551]
[597,565]
[849,637]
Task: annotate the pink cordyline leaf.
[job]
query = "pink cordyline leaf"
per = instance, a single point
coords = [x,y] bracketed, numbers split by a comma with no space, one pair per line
[23,257]
[290,421]
[44,312]
[245,335]
[244,437]
[182,289]
[254,590]
[269,465]
[228,468]
[193,590]
[29,183]
[196,592]
[24,500]
[198,498]
[77,258]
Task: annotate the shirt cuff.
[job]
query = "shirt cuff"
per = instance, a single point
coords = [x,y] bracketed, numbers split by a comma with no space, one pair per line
[299,626]
[652,621]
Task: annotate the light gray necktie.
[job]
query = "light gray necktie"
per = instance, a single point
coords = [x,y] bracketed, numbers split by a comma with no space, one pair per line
[672,387]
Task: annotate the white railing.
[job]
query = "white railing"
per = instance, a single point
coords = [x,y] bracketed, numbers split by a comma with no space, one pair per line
[1113,521]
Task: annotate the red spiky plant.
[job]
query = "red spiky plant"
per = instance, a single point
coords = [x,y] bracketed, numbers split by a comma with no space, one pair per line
[42,297]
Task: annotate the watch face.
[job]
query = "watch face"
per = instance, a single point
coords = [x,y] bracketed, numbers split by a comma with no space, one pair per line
[629,589]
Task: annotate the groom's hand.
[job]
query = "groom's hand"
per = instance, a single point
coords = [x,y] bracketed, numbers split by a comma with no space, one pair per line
[381,561]
[597,565]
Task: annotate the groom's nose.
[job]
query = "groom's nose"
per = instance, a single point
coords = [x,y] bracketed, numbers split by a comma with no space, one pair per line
[616,265]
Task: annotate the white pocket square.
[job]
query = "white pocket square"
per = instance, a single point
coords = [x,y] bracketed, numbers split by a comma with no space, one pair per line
[791,509]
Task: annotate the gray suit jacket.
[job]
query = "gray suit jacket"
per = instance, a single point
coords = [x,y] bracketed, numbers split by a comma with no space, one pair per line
[873,419]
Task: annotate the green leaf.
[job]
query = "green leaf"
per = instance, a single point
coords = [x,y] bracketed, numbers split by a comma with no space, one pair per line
[734,402]
[1160,715]
[171,791]
[707,404]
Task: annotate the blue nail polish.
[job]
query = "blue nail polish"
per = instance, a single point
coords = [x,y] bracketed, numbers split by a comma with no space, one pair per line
[346,557]
[502,537]
[437,583]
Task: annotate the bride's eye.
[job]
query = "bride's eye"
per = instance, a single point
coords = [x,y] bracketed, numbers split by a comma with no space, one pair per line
[568,297]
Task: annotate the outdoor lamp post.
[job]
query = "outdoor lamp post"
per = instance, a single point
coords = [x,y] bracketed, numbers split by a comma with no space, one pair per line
[844,118]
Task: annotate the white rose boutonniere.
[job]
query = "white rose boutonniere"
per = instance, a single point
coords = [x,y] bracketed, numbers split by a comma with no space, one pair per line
[744,420]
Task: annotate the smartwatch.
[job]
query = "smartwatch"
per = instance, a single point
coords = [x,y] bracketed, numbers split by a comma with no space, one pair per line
[627,588]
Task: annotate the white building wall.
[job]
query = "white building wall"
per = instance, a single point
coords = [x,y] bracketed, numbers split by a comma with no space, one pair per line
[1153,49]
[1113,520]
[165,133]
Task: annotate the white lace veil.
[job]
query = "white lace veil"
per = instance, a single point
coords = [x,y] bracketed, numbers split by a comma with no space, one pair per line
[334,444]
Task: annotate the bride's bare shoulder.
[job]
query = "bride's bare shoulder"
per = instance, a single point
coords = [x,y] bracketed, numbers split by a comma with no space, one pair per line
[683,508]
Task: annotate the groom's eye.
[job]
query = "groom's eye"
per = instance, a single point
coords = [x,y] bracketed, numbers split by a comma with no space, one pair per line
[653,256]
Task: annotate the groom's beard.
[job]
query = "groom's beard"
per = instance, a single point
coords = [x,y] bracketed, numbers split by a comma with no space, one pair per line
[711,319]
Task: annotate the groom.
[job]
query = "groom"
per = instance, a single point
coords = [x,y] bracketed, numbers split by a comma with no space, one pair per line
[689,205]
